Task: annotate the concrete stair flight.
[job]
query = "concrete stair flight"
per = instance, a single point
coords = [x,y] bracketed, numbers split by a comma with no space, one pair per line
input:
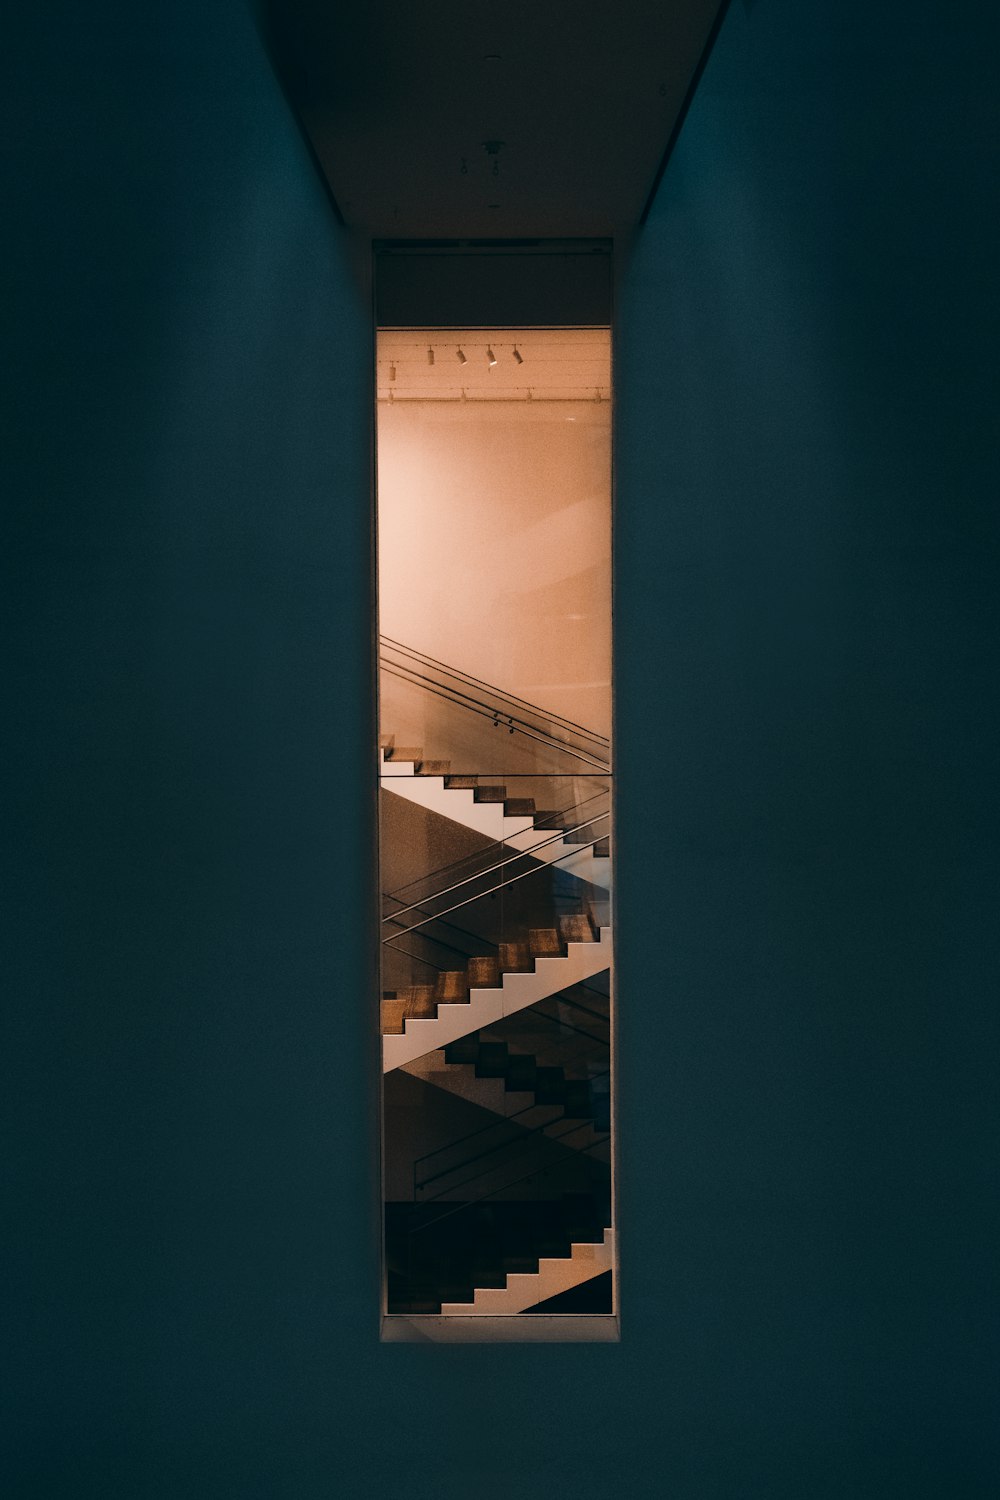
[426,1017]
[515,1085]
[487,809]
[555,1274]
[490,1255]
[462,1080]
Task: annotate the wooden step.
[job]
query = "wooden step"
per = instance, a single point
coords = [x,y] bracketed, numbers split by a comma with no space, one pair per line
[406,752]
[522,1070]
[464,1050]
[550,1086]
[544,943]
[491,794]
[602,849]
[466,783]
[484,973]
[385,741]
[420,1002]
[392,1015]
[577,1103]
[491,1061]
[519,807]
[515,958]
[546,820]
[578,929]
[452,988]
[434,768]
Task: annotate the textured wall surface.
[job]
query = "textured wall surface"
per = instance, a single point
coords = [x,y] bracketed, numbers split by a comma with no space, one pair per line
[805,634]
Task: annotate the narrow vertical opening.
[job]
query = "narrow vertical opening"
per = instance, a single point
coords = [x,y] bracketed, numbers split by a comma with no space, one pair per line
[493,506]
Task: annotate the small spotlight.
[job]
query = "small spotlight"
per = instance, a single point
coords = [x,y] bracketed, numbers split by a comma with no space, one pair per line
[461,357]
[518,356]
[392,372]
[491,357]
[430,355]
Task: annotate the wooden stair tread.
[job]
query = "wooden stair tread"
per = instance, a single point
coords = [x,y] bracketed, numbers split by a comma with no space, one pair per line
[515,958]
[491,794]
[406,752]
[452,988]
[484,973]
[434,768]
[385,741]
[578,929]
[547,820]
[392,1015]
[519,807]
[420,1003]
[544,942]
[466,783]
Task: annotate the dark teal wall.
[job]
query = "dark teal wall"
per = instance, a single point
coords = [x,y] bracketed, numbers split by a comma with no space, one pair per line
[187,731]
[807,626]
[806,635]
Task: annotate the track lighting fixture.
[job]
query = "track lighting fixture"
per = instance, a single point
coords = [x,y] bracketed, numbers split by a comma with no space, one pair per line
[392,372]
[518,355]
[430,355]
[461,357]
[491,357]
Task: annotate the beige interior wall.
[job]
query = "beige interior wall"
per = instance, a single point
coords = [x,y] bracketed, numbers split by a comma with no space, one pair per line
[494,544]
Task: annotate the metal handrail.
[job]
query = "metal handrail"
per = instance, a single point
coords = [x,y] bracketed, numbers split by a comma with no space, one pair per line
[456,672]
[497,844]
[558,835]
[492,891]
[452,695]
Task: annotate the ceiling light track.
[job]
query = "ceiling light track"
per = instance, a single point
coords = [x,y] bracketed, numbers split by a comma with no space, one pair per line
[492,358]
[599,398]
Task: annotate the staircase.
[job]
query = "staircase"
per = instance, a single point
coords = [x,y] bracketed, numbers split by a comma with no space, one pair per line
[582,848]
[555,1274]
[426,1017]
[515,1086]
[509,1208]
[503,1257]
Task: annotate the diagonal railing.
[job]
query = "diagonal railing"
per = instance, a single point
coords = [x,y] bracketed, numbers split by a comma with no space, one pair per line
[503,709]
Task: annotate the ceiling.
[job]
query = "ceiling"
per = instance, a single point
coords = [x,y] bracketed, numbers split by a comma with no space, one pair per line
[520,119]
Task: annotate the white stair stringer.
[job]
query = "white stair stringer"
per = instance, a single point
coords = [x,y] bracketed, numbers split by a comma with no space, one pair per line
[554,1275]
[486,1006]
[489,819]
